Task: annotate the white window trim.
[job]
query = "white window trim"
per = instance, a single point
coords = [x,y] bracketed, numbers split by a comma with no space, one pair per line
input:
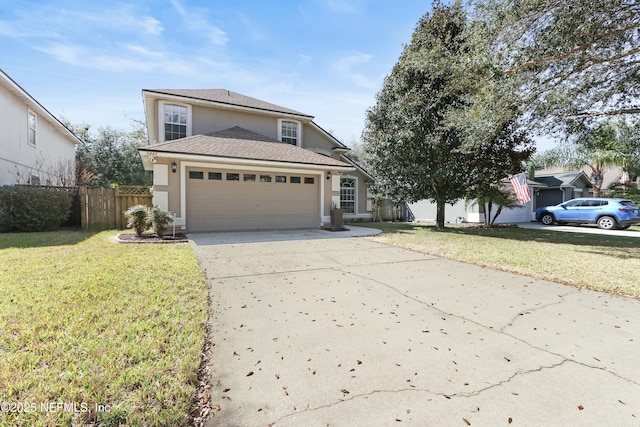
[355,192]
[299,142]
[35,130]
[161,105]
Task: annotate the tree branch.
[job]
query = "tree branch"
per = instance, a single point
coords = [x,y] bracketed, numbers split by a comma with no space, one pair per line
[616,112]
[574,50]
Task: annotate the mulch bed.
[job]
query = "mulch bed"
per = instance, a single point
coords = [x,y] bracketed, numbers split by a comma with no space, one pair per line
[151,238]
[335,229]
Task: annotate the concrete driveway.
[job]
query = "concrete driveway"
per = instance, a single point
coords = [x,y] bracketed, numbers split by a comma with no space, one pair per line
[352,332]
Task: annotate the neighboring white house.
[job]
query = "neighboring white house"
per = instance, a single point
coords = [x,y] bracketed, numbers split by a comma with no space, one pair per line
[546,189]
[35,147]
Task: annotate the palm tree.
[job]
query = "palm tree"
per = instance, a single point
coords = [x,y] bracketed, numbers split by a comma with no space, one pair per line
[604,146]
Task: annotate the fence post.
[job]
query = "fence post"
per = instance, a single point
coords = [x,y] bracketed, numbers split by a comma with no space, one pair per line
[84,207]
[118,213]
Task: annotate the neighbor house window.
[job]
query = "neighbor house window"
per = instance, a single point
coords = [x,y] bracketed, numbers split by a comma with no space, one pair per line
[32,124]
[348,195]
[289,132]
[175,121]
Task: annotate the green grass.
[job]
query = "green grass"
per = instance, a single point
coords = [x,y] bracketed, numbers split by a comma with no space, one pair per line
[605,263]
[85,321]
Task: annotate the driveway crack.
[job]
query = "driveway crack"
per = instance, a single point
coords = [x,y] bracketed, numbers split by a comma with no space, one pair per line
[501,330]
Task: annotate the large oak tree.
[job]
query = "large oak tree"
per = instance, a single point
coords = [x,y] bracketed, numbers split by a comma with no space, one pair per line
[571,63]
[419,139]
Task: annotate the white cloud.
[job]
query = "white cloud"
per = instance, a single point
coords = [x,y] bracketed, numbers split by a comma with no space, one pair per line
[152,25]
[341,6]
[195,21]
[304,59]
[348,69]
[141,59]
[144,51]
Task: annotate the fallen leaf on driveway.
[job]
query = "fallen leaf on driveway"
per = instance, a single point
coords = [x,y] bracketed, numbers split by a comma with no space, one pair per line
[250,373]
[580,407]
[510,420]
[345,391]
[466,421]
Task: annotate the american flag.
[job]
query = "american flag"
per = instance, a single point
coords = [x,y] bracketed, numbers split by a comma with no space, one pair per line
[521,188]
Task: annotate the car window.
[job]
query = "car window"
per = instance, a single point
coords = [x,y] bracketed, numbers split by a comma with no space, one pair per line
[603,203]
[591,203]
[627,203]
[572,203]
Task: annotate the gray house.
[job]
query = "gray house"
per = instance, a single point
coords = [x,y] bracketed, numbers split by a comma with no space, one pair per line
[560,187]
[225,161]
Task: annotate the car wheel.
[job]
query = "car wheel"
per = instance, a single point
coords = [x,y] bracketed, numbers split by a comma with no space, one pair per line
[607,223]
[547,219]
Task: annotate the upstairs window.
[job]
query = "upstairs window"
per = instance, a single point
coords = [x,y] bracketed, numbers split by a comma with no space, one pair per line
[32,124]
[289,132]
[175,122]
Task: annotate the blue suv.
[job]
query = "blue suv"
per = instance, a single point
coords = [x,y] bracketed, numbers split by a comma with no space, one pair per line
[607,213]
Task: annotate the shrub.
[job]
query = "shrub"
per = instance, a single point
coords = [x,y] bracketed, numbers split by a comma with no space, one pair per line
[138,218]
[29,208]
[160,220]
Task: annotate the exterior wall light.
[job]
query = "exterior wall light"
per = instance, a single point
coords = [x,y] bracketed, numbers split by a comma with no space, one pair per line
[174,167]
[329,175]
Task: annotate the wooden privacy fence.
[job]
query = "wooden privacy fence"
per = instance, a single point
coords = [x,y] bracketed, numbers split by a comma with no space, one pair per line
[102,208]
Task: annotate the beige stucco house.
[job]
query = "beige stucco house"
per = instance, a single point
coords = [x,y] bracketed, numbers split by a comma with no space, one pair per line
[225,161]
[35,147]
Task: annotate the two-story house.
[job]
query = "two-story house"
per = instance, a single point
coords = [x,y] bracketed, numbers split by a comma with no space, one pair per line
[35,147]
[225,161]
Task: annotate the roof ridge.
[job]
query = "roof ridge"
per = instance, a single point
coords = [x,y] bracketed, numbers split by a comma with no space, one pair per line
[228,97]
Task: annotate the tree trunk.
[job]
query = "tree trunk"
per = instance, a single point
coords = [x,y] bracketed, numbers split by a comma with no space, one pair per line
[487,214]
[498,212]
[440,204]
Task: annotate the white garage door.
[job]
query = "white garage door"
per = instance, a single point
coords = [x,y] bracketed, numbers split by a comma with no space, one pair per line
[223,200]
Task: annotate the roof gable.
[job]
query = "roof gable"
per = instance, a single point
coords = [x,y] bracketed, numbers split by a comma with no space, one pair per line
[563,179]
[24,97]
[239,143]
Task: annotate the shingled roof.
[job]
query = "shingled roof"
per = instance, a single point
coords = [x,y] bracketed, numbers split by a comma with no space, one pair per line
[224,96]
[239,143]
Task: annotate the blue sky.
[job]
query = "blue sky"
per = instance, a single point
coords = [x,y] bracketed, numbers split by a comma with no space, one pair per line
[88,61]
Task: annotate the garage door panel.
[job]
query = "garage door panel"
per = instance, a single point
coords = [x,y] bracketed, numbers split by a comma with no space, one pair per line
[218,205]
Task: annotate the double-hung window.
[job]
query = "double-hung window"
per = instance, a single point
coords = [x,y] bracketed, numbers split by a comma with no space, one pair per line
[289,132]
[32,125]
[175,121]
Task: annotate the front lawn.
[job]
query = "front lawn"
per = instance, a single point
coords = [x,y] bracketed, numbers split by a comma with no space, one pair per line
[94,332]
[606,263]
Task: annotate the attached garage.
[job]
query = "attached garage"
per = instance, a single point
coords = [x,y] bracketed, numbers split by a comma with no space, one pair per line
[227,199]
[239,180]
